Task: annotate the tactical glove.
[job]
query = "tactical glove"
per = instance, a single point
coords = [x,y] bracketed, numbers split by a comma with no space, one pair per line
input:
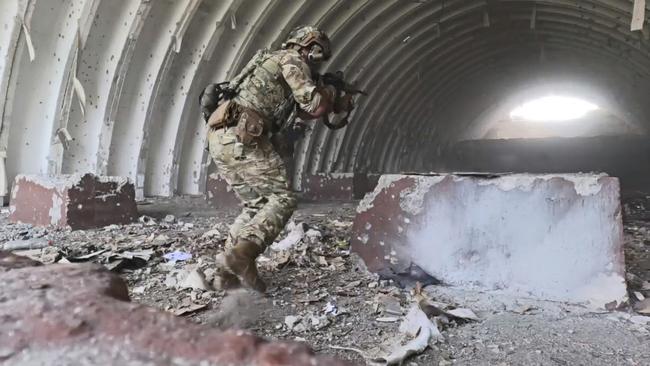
[344,104]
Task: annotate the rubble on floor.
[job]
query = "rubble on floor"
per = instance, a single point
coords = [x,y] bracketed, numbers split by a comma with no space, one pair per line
[321,294]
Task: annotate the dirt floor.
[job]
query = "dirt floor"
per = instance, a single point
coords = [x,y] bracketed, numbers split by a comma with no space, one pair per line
[320,294]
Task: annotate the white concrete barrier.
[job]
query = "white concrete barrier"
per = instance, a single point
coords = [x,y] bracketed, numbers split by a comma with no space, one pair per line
[553,237]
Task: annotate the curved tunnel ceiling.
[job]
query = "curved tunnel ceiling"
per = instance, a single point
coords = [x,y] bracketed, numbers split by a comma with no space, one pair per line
[122,77]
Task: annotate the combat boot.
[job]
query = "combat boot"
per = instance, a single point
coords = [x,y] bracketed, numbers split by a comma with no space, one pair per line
[228,281]
[241,261]
[225,280]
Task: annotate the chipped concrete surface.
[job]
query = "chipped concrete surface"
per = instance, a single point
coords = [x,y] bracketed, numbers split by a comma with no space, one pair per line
[121,182]
[76,201]
[60,182]
[328,187]
[412,200]
[584,184]
[385,181]
[57,209]
[553,237]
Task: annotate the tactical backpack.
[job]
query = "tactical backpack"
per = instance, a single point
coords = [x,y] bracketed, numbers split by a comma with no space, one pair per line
[212,96]
[215,94]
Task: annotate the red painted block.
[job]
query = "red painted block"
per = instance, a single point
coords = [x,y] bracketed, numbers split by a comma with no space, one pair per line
[219,194]
[75,201]
[81,314]
[328,187]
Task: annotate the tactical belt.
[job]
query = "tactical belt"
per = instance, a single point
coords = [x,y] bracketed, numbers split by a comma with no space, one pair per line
[250,124]
[228,123]
[223,116]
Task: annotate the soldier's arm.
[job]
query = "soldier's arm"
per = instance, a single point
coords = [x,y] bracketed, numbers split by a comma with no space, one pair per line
[313,102]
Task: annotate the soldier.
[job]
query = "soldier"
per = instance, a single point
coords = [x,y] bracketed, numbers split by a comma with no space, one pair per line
[271,86]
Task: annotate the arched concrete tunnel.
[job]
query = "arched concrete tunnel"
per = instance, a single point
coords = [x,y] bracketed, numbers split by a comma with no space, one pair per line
[111,86]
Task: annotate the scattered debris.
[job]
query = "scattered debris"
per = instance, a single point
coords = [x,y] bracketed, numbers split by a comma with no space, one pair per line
[388,319]
[148,221]
[416,333]
[112,227]
[434,310]
[34,243]
[525,309]
[188,309]
[142,254]
[291,320]
[331,309]
[177,256]
[417,326]
[643,307]
[172,279]
[389,304]
[638,319]
[139,290]
[295,236]
[47,255]
[170,219]
[464,314]
[88,256]
[342,224]
[195,279]
[212,234]
[313,236]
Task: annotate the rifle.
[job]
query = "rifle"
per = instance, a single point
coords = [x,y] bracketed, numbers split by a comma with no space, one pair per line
[337,80]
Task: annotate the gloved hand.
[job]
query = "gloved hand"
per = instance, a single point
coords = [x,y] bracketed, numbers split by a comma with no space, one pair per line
[344,104]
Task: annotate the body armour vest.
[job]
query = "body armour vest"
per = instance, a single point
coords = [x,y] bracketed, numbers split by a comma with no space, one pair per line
[261,86]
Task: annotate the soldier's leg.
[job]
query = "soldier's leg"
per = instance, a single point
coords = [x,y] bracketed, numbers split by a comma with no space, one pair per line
[221,145]
[263,170]
[250,206]
[266,174]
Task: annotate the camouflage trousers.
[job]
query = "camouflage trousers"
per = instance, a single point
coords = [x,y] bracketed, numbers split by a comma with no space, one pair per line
[258,176]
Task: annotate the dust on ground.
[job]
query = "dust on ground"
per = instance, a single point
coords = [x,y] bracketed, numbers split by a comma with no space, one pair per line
[319,293]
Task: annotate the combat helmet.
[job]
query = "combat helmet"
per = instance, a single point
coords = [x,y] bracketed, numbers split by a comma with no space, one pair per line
[308,37]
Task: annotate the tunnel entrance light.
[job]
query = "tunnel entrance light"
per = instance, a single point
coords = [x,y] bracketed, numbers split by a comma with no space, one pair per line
[553,109]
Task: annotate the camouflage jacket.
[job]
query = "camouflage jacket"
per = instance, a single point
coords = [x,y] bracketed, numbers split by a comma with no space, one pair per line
[273,81]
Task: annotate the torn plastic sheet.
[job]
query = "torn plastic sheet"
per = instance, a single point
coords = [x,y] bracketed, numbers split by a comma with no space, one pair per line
[296,234]
[416,325]
[177,256]
[416,333]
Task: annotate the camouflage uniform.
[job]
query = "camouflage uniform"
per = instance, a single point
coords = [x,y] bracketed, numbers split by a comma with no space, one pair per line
[257,173]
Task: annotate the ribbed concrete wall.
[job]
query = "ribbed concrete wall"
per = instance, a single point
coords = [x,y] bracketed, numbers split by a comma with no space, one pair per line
[431,67]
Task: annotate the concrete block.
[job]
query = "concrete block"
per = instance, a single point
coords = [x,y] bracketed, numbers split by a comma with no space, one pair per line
[364,183]
[552,237]
[328,187]
[80,314]
[219,194]
[75,201]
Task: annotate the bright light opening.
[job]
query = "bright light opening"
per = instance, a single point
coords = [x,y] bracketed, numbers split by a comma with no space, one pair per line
[553,108]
